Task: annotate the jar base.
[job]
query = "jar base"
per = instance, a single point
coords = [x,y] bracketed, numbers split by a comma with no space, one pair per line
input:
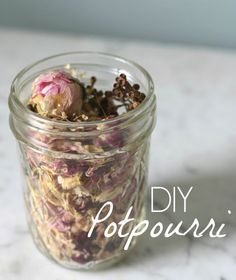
[91,266]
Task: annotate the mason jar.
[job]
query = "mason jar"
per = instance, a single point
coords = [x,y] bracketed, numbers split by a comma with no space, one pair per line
[71,169]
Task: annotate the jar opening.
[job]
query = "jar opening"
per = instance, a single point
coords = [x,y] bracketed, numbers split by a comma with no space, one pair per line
[105,67]
[18,107]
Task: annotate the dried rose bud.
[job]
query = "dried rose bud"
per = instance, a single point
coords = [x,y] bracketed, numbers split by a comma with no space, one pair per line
[58,94]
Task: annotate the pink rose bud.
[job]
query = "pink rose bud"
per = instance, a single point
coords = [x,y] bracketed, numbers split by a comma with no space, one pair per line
[57,93]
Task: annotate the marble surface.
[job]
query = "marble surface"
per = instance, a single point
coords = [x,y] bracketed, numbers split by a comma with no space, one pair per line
[194,144]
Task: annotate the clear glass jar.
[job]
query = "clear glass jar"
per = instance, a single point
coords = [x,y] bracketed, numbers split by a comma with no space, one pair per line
[72,169]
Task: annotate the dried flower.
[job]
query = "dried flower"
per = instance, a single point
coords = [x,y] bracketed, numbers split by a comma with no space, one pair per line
[57,94]
[68,183]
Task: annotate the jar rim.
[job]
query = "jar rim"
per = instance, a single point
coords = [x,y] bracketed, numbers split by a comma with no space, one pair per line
[14,100]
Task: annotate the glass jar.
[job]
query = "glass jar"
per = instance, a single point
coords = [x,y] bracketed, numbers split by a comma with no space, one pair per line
[72,168]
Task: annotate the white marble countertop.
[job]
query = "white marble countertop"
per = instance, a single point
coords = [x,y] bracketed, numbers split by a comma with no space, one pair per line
[194,143]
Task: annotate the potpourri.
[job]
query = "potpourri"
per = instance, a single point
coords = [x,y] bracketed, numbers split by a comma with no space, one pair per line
[65,191]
